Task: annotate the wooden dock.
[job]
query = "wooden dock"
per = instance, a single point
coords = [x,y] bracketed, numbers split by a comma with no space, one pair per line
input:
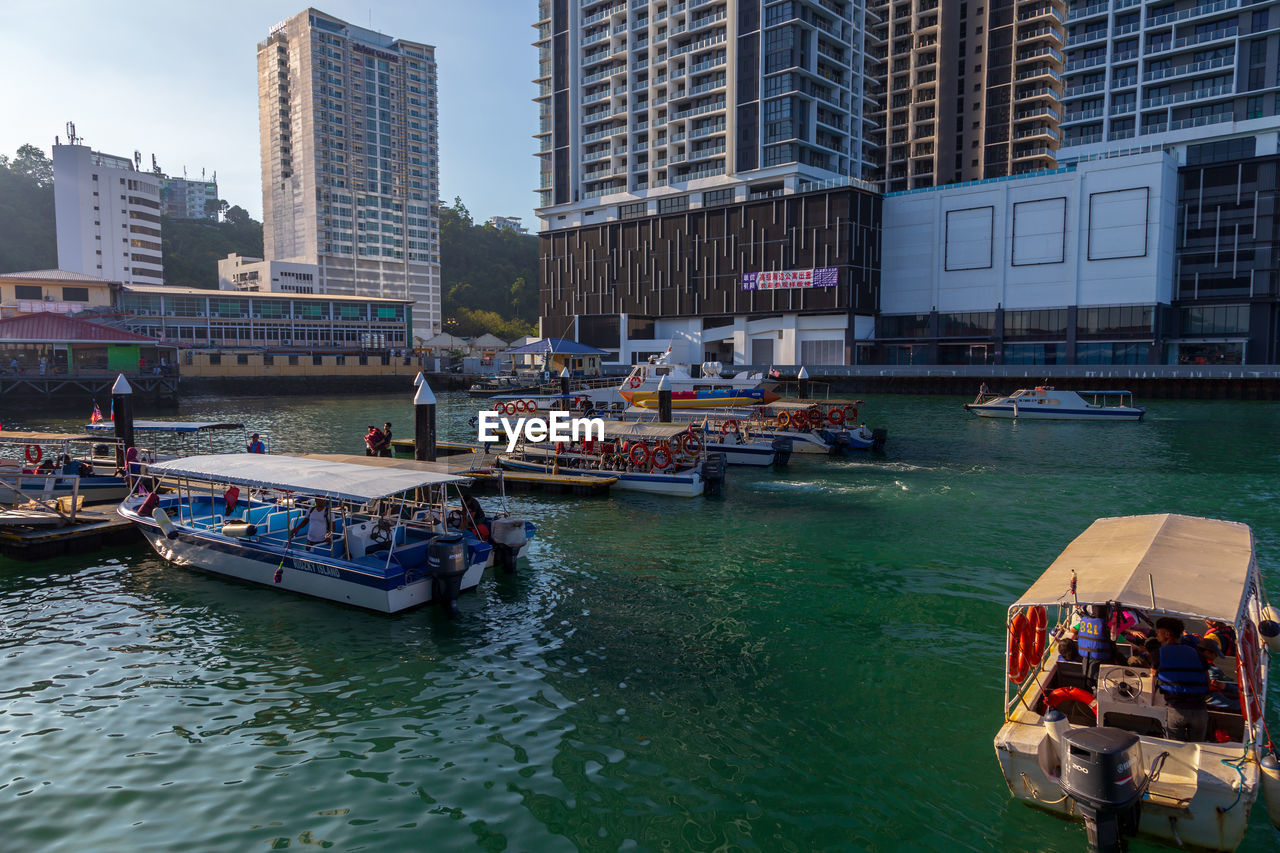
[35,535]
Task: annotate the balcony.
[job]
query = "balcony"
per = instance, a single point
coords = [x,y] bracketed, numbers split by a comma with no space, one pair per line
[1030,153]
[1040,53]
[1122,109]
[1088,12]
[1043,111]
[1081,115]
[706,153]
[1087,38]
[1043,132]
[1191,95]
[1196,12]
[1086,89]
[1086,62]
[1191,68]
[1043,71]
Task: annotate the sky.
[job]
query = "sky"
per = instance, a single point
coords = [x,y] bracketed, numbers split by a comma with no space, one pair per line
[179,79]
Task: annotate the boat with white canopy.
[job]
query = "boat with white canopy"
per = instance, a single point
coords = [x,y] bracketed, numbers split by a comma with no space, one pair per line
[391,544]
[50,465]
[1098,738]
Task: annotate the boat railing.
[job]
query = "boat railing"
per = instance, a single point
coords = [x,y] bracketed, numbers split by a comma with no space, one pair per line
[11,487]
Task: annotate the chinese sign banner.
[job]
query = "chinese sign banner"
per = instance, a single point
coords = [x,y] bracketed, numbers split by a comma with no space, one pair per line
[790,279]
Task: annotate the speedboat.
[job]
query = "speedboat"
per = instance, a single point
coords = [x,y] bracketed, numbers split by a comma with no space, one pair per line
[51,465]
[502,383]
[1100,748]
[392,542]
[1046,403]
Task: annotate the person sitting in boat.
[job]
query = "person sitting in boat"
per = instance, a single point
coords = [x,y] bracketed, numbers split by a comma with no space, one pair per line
[477,521]
[1182,676]
[1094,641]
[1068,651]
[255,445]
[1223,696]
[316,521]
[1222,634]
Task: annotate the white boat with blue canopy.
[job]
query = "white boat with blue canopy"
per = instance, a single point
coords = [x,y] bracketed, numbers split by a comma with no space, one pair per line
[389,545]
[1046,403]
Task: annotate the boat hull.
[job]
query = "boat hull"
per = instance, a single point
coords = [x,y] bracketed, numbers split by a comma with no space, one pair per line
[96,490]
[303,572]
[687,484]
[1198,824]
[985,410]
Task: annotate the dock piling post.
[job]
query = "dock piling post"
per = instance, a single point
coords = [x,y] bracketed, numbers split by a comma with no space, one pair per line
[424,423]
[664,400]
[564,380]
[122,414]
[803,377]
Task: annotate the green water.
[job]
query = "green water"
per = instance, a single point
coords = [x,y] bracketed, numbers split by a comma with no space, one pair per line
[813,663]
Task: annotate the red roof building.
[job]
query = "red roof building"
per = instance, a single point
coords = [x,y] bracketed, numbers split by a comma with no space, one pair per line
[46,344]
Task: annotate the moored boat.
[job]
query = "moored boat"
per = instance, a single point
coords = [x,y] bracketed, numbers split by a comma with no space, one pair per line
[50,465]
[1175,753]
[701,399]
[391,542]
[1047,403]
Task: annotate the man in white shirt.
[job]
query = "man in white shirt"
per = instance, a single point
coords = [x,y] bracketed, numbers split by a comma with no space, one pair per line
[317,523]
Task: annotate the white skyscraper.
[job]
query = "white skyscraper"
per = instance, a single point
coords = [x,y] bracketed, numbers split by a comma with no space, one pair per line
[350,163]
[108,216]
[653,107]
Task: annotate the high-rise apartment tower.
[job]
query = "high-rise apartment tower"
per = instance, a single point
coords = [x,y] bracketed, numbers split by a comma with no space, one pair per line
[665,105]
[1153,74]
[350,160]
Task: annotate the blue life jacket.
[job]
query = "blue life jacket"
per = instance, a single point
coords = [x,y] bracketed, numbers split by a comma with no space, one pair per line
[1181,673]
[1091,640]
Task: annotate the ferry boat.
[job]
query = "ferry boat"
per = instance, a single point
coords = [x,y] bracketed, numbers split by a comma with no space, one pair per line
[503,384]
[658,458]
[811,427]
[391,545]
[1098,745]
[51,465]
[701,399]
[1047,403]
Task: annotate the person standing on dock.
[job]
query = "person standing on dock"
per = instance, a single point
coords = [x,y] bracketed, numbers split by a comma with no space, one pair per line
[373,441]
[385,450]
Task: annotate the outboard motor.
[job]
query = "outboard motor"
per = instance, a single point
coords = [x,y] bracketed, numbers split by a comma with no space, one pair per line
[781,451]
[447,562]
[1102,771]
[878,438]
[840,443]
[507,538]
[713,468]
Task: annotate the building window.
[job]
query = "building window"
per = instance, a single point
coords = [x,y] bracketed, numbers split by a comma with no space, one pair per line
[1215,320]
[268,360]
[673,205]
[293,361]
[1047,322]
[717,197]
[903,326]
[822,352]
[215,359]
[972,324]
[28,291]
[632,211]
[317,361]
[242,359]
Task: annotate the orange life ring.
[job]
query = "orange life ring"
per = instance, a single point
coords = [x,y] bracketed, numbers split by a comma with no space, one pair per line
[816,417]
[532,406]
[836,416]
[784,419]
[505,409]
[520,405]
[1247,672]
[728,426]
[1039,626]
[666,458]
[33,452]
[851,414]
[1054,698]
[690,443]
[635,382]
[639,454]
[1019,663]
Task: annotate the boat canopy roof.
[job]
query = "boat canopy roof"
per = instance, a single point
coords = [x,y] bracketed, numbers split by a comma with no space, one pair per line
[643,431]
[458,464]
[798,405]
[320,477]
[168,426]
[1196,566]
[12,436]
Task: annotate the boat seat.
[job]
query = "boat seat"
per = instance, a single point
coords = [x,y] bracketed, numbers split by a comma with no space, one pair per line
[411,556]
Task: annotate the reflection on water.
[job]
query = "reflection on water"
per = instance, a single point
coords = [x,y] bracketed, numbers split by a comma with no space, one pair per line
[811,663]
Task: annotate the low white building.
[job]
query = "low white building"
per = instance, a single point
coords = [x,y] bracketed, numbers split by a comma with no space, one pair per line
[108,216]
[240,272]
[1029,269]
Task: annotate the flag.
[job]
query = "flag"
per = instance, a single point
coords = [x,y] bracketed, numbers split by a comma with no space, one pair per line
[112,416]
[96,415]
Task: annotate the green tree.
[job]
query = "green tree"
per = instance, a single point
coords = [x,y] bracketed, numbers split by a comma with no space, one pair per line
[31,163]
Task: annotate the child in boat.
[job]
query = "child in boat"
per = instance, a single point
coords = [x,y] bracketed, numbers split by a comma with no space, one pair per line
[1223,696]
